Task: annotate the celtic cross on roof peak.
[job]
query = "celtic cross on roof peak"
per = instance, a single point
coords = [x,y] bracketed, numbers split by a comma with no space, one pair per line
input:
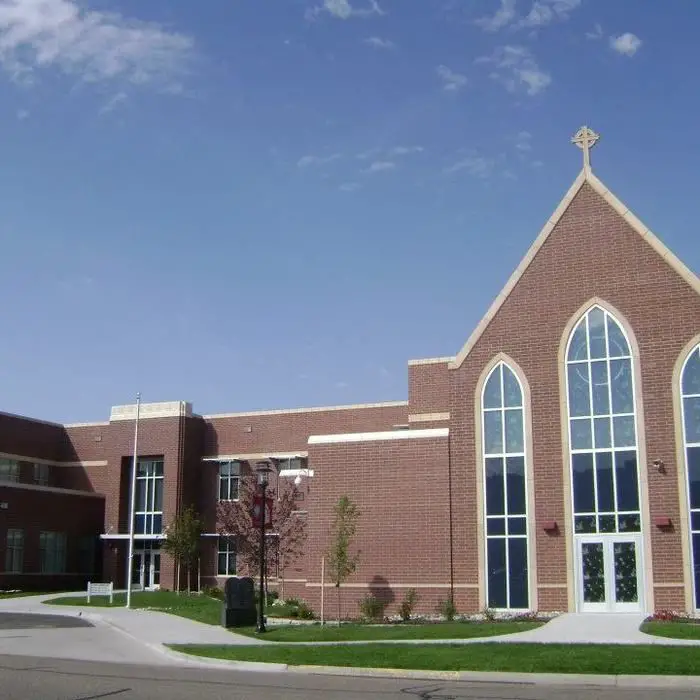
[585,139]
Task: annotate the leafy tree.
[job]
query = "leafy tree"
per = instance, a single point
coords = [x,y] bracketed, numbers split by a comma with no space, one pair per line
[182,540]
[341,563]
[285,536]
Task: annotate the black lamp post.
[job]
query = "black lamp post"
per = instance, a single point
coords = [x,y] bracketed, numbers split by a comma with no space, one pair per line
[263,469]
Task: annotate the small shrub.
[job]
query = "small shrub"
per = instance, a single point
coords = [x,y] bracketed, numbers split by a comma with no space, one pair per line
[447,609]
[272,596]
[293,602]
[213,592]
[304,611]
[666,616]
[489,615]
[372,608]
[407,604]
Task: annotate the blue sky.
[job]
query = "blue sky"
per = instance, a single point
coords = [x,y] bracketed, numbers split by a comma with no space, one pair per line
[254,204]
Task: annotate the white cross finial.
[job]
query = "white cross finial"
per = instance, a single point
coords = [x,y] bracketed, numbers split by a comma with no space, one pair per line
[585,139]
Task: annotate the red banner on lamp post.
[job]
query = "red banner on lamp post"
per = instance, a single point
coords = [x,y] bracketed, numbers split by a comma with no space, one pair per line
[257,508]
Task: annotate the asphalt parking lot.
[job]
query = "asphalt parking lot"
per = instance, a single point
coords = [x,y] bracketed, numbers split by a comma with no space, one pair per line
[27,621]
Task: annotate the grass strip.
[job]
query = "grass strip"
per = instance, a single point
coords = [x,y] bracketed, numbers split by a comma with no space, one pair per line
[348,633]
[672,630]
[196,607]
[605,659]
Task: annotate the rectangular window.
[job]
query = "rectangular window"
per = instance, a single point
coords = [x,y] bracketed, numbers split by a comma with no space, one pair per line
[14,551]
[86,555]
[148,512]
[9,470]
[227,556]
[52,547]
[229,480]
[41,474]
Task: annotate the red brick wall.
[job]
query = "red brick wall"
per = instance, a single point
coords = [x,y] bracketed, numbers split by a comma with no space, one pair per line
[428,389]
[30,438]
[591,252]
[34,511]
[290,431]
[401,489]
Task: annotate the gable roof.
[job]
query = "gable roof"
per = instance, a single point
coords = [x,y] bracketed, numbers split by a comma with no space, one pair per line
[586,176]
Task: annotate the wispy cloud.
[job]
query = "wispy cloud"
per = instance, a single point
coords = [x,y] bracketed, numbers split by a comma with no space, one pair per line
[476,166]
[516,68]
[350,187]
[22,114]
[380,166]
[406,150]
[626,44]
[523,141]
[89,45]
[547,12]
[596,34]
[503,17]
[112,103]
[311,160]
[451,81]
[376,42]
[343,9]
[542,13]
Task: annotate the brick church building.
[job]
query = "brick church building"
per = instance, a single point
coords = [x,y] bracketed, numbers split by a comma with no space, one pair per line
[552,464]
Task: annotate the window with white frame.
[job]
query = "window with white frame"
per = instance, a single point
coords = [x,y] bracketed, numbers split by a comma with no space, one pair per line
[148,513]
[9,470]
[41,474]
[690,397]
[602,426]
[14,551]
[52,549]
[227,556]
[229,480]
[503,441]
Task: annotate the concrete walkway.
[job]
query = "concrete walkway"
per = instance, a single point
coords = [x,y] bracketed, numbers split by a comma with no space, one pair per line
[117,634]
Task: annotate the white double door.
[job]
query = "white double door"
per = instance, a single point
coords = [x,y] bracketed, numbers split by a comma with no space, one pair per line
[609,573]
[146,569]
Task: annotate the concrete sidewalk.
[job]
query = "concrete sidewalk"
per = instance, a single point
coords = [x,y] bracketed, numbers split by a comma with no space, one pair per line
[118,635]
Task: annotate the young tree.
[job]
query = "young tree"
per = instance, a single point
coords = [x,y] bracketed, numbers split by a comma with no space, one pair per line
[182,539]
[342,564]
[235,519]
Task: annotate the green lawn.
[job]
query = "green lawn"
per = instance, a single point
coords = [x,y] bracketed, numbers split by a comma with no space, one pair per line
[517,658]
[19,594]
[673,630]
[346,633]
[194,607]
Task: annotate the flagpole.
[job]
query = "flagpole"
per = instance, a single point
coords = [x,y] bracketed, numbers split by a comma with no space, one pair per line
[132,504]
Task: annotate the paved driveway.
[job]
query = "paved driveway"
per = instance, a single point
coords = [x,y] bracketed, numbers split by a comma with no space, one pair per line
[22,621]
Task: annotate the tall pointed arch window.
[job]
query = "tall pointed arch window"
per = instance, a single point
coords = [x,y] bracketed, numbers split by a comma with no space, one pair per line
[602,427]
[690,393]
[503,440]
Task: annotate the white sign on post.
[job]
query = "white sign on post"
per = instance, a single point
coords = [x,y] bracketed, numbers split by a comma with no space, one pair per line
[104,589]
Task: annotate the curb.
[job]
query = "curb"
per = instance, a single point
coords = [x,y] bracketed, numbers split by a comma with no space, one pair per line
[494,677]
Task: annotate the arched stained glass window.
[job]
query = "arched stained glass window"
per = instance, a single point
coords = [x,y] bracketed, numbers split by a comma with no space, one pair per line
[690,393]
[503,441]
[602,427]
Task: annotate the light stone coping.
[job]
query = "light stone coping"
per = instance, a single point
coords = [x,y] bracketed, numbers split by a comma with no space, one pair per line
[314,409]
[431,361]
[585,176]
[376,437]
[427,417]
[164,409]
[49,489]
[248,456]
[52,463]
[96,424]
